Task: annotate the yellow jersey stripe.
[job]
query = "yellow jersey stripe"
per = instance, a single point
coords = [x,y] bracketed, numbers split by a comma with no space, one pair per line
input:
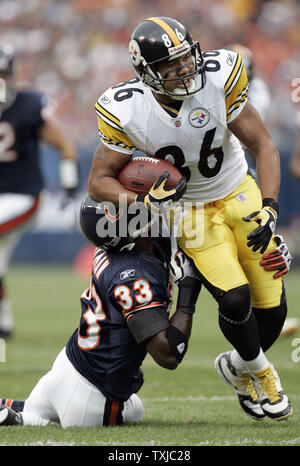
[233,73]
[166,28]
[236,106]
[239,87]
[113,136]
[170,109]
[108,115]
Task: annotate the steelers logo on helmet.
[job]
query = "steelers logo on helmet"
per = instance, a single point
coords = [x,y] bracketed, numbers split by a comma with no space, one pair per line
[134,52]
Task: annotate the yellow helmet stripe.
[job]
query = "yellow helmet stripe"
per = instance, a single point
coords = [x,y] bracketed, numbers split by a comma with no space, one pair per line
[167,28]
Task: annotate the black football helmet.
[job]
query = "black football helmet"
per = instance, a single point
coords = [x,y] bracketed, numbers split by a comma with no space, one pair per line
[107,226]
[159,39]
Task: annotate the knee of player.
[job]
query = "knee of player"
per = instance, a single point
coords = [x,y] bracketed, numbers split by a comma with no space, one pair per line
[133,410]
[235,301]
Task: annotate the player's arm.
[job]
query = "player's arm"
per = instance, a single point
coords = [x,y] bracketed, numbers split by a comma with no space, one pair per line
[168,345]
[103,184]
[249,128]
[51,133]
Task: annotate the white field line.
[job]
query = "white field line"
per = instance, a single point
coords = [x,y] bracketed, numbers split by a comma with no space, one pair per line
[237,442]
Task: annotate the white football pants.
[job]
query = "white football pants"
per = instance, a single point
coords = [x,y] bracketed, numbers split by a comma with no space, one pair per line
[64,396]
[17,213]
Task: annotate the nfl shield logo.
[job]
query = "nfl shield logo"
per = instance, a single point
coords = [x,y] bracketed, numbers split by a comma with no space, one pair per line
[241,197]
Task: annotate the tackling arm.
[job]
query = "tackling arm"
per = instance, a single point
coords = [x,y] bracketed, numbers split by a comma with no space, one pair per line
[169,346]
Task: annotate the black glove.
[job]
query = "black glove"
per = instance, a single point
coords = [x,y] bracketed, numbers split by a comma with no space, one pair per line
[278,259]
[266,219]
[159,198]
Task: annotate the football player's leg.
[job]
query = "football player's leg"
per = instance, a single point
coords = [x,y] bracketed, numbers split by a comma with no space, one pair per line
[16,405]
[16,213]
[7,245]
[133,410]
[268,306]
[267,294]
[216,259]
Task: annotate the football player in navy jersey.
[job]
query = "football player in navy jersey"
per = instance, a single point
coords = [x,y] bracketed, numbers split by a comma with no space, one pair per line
[124,314]
[25,121]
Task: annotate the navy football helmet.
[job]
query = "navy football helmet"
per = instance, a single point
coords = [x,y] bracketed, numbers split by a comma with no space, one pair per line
[160,39]
[107,226]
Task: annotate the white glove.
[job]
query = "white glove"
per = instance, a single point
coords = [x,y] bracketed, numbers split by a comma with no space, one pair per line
[181,267]
[278,259]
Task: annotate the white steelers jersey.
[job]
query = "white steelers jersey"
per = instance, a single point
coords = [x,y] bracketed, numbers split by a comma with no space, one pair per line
[196,138]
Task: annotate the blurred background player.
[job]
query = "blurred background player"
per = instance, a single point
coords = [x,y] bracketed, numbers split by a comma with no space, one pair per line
[26,119]
[124,315]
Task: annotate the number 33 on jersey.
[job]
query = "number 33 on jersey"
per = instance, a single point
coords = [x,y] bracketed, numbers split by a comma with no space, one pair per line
[197,139]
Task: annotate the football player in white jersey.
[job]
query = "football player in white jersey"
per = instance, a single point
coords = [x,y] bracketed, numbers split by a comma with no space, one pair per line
[190,108]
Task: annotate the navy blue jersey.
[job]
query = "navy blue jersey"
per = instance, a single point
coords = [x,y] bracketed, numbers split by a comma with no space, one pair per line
[103,349]
[20,170]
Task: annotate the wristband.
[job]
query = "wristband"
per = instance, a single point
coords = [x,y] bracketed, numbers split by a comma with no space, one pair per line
[177,341]
[69,174]
[268,201]
[188,292]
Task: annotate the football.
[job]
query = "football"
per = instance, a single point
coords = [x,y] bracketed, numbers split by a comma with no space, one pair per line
[141,172]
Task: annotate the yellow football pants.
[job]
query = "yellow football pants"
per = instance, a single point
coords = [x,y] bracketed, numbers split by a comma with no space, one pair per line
[219,245]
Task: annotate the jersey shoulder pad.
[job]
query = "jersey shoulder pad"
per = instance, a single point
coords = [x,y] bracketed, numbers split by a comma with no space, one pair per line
[233,79]
[119,101]
[114,110]
[32,103]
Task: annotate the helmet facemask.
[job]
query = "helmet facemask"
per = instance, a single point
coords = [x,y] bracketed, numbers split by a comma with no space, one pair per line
[153,77]
[149,74]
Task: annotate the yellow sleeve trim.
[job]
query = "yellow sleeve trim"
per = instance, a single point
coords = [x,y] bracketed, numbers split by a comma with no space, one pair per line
[237,92]
[107,115]
[113,136]
[233,73]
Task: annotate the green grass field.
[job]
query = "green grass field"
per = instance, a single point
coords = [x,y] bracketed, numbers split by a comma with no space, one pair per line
[187,407]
